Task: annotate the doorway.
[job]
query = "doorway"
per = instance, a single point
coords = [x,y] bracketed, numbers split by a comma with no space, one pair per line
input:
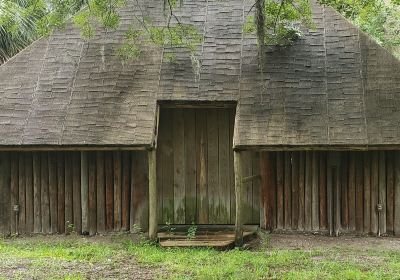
[195,175]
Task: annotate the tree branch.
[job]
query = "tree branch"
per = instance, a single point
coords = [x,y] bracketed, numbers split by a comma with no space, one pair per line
[260,22]
[278,14]
[251,8]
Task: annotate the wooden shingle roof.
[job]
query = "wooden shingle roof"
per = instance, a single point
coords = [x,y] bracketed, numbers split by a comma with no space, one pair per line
[334,87]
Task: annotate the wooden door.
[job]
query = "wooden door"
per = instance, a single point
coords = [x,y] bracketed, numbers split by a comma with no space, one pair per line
[195,179]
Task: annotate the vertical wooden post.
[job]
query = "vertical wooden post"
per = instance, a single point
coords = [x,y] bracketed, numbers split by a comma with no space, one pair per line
[36,193]
[336,193]
[397,194]
[301,190]
[109,190]
[21,195]
[152,195]
[389,192]
[68,210]
[5,217]
[140,190]
[288,190]
[308,192]
[92,207]
[329,189]
[117,190]
[367,192]
[280,218]
[352,191]
[374,191]
[322,191]
[101,193]
[359,193]
[84,192]
[76,192]
[53,186]
[190,162]
[238,195]
[382,192]
[336,199]
[295,190]
[29,192]
[202,158]
[344,191]
[126,192]
[61,192]
[44,184]
[178,157]
[268,190]
[14,192]
[315,192]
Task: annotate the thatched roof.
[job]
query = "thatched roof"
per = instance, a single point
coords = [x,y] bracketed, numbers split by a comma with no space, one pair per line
[334,87]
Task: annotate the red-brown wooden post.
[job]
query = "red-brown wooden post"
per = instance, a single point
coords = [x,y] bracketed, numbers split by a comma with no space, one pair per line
[237,158]
[152,195]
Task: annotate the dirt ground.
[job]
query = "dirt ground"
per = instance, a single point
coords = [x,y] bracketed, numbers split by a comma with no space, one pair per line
[120,265]
[117,266]
[309,242]
[22,269]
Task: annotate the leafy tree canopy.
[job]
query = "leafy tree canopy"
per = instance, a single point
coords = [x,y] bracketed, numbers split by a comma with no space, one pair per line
[274,22]
[378,18]
[282,21]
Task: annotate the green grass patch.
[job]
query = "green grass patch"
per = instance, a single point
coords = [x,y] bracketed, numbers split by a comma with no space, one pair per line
[82,258]
[337,263]
[64,250]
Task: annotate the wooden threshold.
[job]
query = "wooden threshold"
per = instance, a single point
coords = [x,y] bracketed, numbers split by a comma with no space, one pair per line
[216,238]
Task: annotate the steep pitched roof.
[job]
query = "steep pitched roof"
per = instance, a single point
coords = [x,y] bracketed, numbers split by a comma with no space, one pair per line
[335,86]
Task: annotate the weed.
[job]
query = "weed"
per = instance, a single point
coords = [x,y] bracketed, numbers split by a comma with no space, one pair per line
[136,229]
[192,231]
[169,228]
[71,229]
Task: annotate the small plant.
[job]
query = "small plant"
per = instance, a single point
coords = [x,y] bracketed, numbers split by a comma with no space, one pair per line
[71,229]
[136,229]
[192,231]
[169,228]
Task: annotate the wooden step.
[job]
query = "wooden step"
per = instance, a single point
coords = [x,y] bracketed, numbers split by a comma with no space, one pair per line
[202,235]
[208,228]
[220,240]
[188,243]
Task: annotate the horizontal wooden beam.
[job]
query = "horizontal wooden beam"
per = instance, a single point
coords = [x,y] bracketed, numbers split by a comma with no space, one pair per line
[197,104]
[30,148]
[275,148]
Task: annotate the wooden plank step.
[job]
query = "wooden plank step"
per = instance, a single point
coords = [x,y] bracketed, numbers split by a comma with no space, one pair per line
[203,236]
[206,228]
[217,244]
[221,240]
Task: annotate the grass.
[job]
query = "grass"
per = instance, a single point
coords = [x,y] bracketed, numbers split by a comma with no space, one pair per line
[276,264]
[117,257]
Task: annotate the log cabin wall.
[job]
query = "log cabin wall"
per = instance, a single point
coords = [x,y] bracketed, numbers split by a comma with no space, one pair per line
[88,192]
[335,192]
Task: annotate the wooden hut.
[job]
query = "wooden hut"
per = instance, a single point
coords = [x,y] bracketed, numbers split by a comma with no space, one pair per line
[94,144]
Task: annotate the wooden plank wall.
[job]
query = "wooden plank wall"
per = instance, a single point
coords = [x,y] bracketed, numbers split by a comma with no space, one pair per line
[195,177]
[333,192]
[86,192]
